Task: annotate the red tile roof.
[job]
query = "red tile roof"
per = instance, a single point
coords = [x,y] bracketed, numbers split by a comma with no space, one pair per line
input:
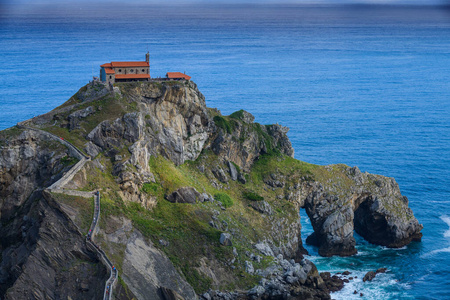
[107,65]
[132,76]
[177,75]
[109,71]
[124,64]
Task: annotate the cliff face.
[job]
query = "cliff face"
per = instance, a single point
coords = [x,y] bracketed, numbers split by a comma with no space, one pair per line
[193,200]
[43,254]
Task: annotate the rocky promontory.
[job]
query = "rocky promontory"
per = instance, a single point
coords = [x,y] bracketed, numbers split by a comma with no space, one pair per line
[193,203]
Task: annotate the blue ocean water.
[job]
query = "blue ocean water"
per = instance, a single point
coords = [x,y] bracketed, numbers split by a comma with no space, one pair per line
[361,85]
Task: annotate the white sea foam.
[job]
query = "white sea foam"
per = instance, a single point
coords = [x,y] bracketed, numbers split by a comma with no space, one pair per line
[393,249]
[446,219]
[443,250]
[383,286]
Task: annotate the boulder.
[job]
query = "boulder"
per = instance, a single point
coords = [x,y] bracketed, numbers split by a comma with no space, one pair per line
[185,195]
[262,207]
[369,276]
[225,239]
[91,149]
[220,174]
[249,267]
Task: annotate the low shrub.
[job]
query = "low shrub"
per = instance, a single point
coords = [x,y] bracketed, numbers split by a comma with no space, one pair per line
[224,199]
[221,122]
[253,196]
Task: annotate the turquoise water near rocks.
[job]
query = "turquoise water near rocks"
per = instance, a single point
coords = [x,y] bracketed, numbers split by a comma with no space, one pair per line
[361,85]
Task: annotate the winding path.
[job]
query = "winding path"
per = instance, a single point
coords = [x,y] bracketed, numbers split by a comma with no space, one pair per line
[58,187]
[107,294]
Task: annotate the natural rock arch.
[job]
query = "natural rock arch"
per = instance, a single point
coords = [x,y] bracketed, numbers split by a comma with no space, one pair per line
[374,208]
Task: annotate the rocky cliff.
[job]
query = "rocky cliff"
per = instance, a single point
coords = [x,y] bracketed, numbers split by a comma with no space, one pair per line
[43,253]
[192,201]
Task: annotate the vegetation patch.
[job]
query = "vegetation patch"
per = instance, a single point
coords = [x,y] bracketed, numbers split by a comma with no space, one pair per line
[150,188]
[253,196]
[224,199]
[9,133]
[237,114]
[221,122]
[199,281]
[68,160]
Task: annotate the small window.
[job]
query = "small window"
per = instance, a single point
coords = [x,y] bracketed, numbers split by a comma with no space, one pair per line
[120,70]
[143,70]
[131,71]
[110,76]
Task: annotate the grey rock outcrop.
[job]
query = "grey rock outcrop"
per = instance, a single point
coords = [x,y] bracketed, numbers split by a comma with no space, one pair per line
[258,140]
[27,162]
[370,204]
[91,149]
[262,207]
[185,195]
[220,174]
[233,171]
[76,116]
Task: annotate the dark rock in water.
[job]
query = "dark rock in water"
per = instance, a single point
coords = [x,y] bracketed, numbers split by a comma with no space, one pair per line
[346,273]
[355,292]
[333,283]
[168,294]
[369,276]
[361,294]
[185,195]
